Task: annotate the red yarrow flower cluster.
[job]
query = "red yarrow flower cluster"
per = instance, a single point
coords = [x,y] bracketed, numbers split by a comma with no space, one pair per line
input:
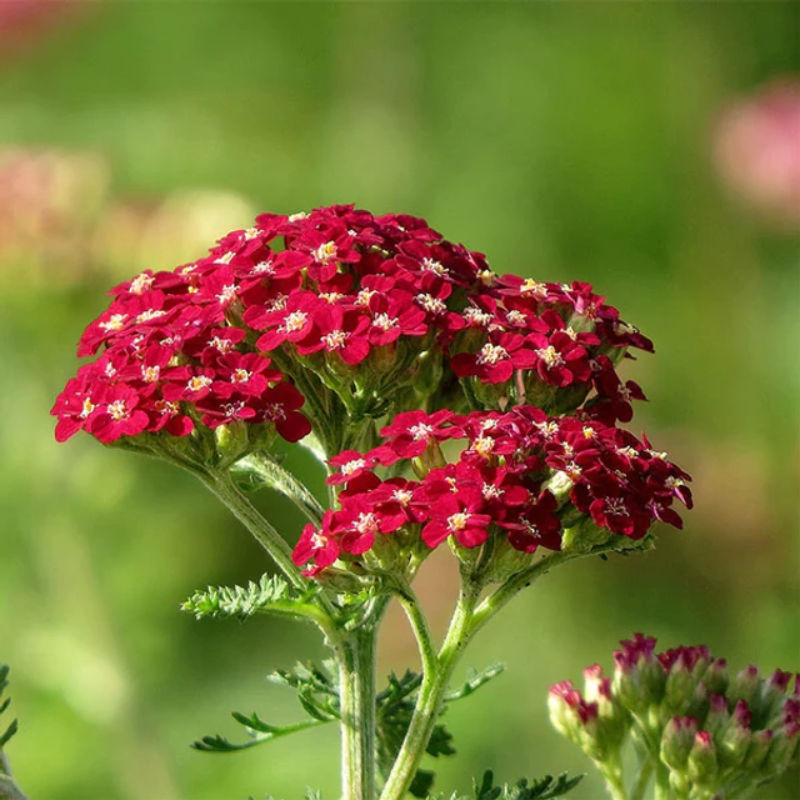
[336,292]
[172,371]
[518,475]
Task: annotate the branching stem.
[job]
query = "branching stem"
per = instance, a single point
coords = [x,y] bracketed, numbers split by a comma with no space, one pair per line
[419,624]
[283,481]
[223,487]
[431,696]
[519,580]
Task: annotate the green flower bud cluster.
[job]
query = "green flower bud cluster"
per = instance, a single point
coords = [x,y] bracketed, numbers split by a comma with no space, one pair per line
[701,734]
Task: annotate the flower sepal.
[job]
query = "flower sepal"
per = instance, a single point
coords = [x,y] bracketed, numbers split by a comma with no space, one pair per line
[585,536]
[232,442]
[345,581]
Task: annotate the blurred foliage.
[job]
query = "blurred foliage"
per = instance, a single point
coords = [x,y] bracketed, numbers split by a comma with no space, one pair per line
[568,141]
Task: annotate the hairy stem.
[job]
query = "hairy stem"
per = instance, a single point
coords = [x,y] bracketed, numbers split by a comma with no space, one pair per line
[8,786]
[264,533]
[519,580]
[662,788]
[642,781]
[431,696]
[356,657]
[283,481]
[612,775]
[420,627]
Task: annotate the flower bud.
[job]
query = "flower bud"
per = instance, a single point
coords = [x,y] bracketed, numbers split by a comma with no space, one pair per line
[677,741]
[735,739]
[718,717]
[783,749]
[744,685]
[702,763]
[639,677]
[569,712]
[771,697]
[584,536]
[679,690]
[431,458]
[716,677]
[613,721]
[716,745]
[759,747]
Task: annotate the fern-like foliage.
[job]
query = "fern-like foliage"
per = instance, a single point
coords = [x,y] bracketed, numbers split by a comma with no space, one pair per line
[317,689]
[272,594]
[546,788]
[12,728]
[311,794]
[258,731]
[396,706]
[317,693]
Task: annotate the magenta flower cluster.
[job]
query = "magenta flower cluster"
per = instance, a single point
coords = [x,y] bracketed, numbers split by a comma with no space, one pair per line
[339,292]
[708,730]
[522,473]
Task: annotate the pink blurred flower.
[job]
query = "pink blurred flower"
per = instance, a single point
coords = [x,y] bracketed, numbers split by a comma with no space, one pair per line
[757,150]
[24,21]
[50,201]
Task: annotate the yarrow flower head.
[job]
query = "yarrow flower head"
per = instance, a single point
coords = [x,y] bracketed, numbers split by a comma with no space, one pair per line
[337,312]
[497,397]
[717,735]
[521,478]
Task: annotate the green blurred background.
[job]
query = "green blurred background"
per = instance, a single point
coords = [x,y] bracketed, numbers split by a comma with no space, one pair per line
[567,141]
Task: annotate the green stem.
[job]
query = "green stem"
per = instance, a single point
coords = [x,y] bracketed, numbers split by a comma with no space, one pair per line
[276,477]
[519,580]
[642,781]
[662,788]
[264,533]
[8,786]
[356,657]
[615,787]
[419,624]
[431,697]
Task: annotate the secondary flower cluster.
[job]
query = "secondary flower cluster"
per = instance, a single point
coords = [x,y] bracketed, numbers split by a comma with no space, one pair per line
[713,733]
[521,474]
[362,305]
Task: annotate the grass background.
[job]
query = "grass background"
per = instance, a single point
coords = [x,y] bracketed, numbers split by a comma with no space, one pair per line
[565,140]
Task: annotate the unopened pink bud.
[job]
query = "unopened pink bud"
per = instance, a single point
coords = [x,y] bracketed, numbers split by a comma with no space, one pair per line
[717,719]
[702,762]
[759,748]
[677,741]
[716,677]
[744,685]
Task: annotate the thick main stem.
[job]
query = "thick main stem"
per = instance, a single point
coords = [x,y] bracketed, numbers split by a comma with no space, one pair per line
[356,657]
[431,696]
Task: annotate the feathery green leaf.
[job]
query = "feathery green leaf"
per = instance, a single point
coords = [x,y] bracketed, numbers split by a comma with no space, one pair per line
[12,728]
[272,594]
